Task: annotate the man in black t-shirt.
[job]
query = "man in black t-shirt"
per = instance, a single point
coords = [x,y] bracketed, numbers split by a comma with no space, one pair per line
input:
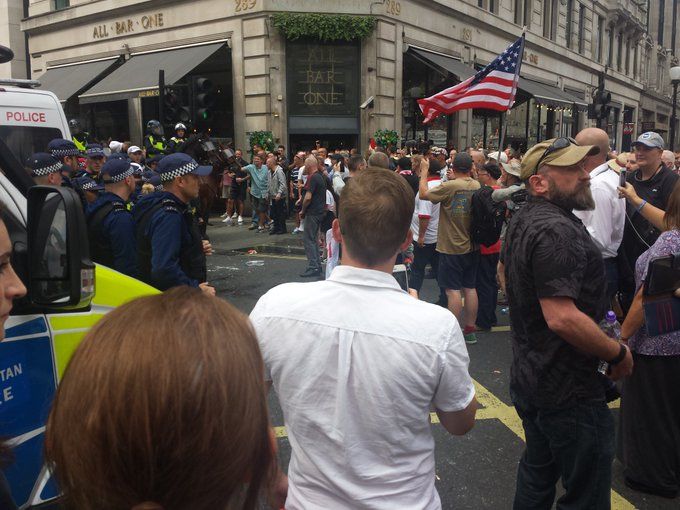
[312,211]
[556,292]
[653,182]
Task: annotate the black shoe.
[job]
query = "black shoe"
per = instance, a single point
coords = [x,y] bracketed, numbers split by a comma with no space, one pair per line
[309,273]
[273,232]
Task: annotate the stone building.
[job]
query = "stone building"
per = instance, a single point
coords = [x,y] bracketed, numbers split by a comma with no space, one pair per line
[102,58]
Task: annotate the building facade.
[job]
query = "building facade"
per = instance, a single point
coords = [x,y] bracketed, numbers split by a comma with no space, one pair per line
[102,57]
[11,36]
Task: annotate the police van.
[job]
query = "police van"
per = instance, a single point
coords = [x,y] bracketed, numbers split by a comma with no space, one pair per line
[67,293]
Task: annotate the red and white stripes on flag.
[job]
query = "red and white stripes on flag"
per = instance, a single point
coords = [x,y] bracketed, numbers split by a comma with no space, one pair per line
[492,88]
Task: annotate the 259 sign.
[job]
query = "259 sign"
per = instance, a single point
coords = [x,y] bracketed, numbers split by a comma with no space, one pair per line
[393,7]
[245,5]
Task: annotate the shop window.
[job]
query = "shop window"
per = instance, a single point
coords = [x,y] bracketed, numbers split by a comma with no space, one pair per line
[523,12]
[599,39]
[550,11]
[662,10]
[61,4]
[568,27]
[581,28]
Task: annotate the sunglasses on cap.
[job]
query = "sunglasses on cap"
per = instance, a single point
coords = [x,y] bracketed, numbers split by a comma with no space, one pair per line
[558,144]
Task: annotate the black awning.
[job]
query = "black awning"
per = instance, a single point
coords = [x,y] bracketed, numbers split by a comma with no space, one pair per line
[549,94]
[454,66]
[66,81]
[138,77]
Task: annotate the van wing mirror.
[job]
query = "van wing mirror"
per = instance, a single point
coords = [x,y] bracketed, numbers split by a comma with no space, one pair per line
[60,272]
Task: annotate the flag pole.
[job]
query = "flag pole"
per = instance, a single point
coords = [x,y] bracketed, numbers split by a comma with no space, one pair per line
[504,124]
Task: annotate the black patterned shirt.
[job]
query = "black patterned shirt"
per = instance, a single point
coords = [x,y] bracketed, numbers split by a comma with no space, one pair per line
[549,253]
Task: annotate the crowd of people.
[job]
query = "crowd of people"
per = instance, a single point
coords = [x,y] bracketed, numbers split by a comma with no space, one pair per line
[566,232]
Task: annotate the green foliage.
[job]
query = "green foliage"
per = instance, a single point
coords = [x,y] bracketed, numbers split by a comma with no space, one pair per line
[386,138]
[264,139]
[324,27]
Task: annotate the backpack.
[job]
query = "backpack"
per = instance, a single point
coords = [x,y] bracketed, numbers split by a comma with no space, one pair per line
[487,217]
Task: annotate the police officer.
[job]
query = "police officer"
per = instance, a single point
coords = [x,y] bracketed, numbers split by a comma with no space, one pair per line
[171,251]
[45,169]
[67,153]
[178,142]
[80,138]
[89,188]
[137,173]
[154,141]
[110,225]
[96,157]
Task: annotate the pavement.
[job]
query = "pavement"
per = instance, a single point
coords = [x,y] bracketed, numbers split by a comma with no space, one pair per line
[476,471]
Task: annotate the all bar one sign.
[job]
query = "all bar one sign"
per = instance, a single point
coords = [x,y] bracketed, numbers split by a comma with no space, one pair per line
[128,26]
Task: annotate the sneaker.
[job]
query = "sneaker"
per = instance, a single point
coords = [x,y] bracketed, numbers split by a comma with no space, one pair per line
[260,230]
[240,220]
[296,230]
[233,216]
[252,227]
[470,338]
[224,215]
[227,220]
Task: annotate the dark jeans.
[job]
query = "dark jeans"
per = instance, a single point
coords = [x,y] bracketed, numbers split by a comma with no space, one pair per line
[311,234]
[487,290]
[278,215]
[575,444]
[421,258]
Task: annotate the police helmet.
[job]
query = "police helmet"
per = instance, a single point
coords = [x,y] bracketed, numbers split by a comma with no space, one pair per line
[154,127]
[179,126]
[75,127]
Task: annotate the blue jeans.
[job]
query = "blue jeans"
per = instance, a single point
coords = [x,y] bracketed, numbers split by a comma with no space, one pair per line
[575,444]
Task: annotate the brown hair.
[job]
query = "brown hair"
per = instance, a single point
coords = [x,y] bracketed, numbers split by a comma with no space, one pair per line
[671,219]
[164,401]
[375,215]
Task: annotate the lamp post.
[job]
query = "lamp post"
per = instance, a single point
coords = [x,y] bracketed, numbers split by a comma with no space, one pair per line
[675,80]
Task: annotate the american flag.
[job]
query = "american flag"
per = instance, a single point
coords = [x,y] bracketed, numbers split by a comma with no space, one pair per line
[492,88]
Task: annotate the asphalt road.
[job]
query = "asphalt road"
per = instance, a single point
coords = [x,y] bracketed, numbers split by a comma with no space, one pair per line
[476,471]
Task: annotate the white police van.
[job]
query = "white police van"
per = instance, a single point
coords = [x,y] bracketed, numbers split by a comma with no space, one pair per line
[67,293]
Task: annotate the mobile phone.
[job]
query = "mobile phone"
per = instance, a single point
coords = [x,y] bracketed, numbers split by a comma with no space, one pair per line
[401,275]
[622,178]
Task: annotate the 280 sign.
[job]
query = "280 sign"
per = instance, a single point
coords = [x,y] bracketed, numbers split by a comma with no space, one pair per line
[245,5]
[393,7]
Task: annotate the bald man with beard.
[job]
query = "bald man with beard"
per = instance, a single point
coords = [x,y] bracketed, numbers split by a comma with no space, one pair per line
[605,223]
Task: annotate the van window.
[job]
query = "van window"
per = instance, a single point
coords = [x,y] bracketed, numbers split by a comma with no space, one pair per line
[25,140]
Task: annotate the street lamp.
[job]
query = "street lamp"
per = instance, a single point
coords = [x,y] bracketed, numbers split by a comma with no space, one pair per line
[675,80]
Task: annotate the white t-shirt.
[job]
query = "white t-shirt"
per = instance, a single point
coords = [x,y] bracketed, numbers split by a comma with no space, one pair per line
[426,209]
[356,388]
[605,223]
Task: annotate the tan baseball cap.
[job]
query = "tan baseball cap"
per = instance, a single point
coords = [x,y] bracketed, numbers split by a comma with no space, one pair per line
[567,156]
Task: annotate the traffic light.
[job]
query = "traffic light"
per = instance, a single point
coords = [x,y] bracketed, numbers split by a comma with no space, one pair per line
[599,109]
[175,108]
[203,99]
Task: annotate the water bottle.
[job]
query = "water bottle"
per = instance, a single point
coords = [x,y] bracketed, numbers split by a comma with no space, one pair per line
[612,329]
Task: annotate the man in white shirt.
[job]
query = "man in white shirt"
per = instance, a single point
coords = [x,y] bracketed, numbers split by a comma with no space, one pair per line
[356,388]
[424,225]
[604,223]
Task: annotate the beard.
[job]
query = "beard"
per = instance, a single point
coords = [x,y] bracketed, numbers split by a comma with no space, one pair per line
[581,199]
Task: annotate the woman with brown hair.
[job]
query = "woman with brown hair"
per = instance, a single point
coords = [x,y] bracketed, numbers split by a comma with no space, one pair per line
[163,406]
[11,288]
[650,406]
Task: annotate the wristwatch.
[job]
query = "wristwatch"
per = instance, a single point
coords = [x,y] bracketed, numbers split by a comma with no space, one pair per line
[619,357]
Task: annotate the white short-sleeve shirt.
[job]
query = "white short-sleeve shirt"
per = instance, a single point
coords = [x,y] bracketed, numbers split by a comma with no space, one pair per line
[356,388]
[426,209]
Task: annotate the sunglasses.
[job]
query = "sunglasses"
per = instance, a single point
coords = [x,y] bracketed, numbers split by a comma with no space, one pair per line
[558,144]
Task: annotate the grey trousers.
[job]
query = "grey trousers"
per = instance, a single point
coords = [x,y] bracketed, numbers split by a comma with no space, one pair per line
[312,224]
